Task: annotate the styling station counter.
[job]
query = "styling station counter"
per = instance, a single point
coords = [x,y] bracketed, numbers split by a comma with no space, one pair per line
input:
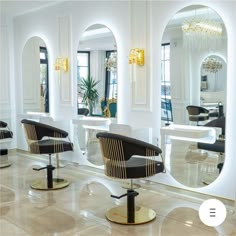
[86,128]
[187,133]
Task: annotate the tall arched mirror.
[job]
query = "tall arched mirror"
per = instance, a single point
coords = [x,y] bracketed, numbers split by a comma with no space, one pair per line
[35,76]
[97,64]
[96,83]
[194,47]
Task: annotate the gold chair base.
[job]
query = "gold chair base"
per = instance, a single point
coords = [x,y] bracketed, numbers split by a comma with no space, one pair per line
[5,164]
[57,184]
[119,215]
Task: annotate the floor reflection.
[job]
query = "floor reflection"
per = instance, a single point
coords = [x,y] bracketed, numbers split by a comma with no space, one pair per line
[80,208]
[191,166]
[6,195]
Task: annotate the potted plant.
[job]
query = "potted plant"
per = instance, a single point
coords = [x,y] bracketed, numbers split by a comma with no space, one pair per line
[90,93]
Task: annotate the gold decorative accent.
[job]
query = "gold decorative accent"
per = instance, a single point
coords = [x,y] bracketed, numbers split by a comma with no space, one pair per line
[212,64]
[119,215]
[111,62]
[57,184]
[200,33]
[106,112]
[202,26]
[136,56]
[62,64]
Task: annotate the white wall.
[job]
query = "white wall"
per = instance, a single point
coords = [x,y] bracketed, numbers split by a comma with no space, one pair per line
[148,19]
[7,84]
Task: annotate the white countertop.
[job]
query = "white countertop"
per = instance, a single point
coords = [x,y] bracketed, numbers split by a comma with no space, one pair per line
[190,133]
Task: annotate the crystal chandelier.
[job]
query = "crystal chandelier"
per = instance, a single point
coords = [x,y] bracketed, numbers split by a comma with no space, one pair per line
[212,64]
[111,62]
[201,33]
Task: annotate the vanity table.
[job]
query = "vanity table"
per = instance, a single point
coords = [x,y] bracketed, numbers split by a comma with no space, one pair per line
[83,126]
[187,133]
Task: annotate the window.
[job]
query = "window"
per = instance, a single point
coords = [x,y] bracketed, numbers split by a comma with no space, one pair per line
[166,106]
[44,87]
[83,70]
[83,65]
[111,80]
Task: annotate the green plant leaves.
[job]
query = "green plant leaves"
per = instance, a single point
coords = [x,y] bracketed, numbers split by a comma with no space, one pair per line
[88,87]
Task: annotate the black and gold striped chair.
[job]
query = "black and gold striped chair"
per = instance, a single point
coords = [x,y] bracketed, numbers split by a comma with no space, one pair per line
[196,113]
[129,158]
[5,135]
[46,139]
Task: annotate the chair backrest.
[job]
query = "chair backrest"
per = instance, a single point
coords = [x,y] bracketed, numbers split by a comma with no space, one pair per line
[123,147]
[36,131]
[196,110]
[3,124]
[83,111]
[53,143]
[219,122]
[5,133]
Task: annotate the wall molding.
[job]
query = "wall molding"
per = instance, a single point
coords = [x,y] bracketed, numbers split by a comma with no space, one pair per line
[64,23]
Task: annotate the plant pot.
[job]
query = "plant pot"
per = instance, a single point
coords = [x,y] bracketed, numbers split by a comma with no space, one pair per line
[90,108]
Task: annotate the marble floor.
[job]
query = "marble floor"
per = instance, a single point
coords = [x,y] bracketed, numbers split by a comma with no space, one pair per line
[80,208]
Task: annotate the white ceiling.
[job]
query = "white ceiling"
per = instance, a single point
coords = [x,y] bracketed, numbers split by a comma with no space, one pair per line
[16,8]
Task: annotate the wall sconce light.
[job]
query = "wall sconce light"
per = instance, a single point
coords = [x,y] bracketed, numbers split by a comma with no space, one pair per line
[62,64]
[136,56]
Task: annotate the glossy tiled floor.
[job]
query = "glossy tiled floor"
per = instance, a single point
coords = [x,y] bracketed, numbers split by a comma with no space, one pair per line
[79,209]
[191,166]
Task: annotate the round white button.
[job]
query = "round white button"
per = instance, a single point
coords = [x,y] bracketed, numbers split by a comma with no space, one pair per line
[212,212]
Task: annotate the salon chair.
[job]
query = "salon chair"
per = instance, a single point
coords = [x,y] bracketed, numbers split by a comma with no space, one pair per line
[196,113]
[46,139]
[83,111]
[5,136]
[219,145]
[128,158]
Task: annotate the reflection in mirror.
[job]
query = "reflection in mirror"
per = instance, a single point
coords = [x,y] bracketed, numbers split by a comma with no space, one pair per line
[213,82]
[97,59]
[191,48]
[96,83]
[35,76]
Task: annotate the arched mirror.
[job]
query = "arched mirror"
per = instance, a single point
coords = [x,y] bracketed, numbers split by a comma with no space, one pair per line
[96,84]
[193,74]
[35,76]
[97,65]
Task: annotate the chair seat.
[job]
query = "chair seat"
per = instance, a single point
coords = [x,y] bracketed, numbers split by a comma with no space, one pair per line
[218,146]
[50,146]
[5,134]
[135,167]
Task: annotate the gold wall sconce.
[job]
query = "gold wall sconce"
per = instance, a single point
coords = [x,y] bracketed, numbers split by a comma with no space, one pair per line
[62,64]
[136,56]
